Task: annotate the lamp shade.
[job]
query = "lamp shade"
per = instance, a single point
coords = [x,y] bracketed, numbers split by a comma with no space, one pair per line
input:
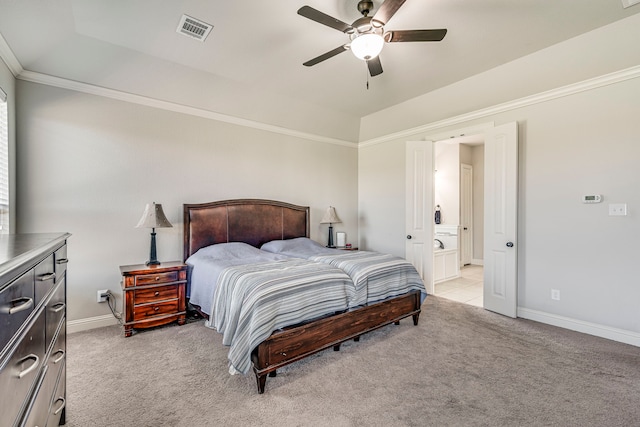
[330,216]
[153,217]
[367,46]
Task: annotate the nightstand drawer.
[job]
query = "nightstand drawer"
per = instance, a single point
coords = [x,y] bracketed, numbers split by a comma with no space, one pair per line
[150,279]
[141,312]
[153,295]
[156,293]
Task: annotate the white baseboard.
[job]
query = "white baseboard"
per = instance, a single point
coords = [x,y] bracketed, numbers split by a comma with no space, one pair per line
[602,331]
[477,261]
[90,323]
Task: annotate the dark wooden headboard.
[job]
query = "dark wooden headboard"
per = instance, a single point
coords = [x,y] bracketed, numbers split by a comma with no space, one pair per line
[253,221]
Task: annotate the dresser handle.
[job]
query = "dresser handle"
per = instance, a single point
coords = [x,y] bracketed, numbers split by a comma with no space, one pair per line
[156,308]
[36,362]
[62,261]
[23,303]
[62,353]
[46,277]
[57,308]
[64,403]
[156,294]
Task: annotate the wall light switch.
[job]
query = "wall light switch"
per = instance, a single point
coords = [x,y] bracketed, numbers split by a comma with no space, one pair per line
[617,209]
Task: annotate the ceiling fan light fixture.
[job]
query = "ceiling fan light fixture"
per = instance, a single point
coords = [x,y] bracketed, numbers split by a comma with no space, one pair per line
[367,46]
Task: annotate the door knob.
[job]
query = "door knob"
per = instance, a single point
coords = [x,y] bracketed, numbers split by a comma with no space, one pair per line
[409,236]
[509,244]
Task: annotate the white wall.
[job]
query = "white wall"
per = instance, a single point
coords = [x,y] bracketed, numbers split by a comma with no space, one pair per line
[447,182]
[477,161]
[596,53]
[584,141]
[8,84]
[88,165]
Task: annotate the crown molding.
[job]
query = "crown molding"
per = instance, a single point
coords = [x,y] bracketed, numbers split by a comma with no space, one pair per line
[48,80]
[571,89]
[6,54]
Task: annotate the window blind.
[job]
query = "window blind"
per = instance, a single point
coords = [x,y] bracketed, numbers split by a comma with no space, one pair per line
[4,164]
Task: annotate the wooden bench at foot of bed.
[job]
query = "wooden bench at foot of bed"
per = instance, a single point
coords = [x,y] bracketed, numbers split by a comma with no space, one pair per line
[291,344]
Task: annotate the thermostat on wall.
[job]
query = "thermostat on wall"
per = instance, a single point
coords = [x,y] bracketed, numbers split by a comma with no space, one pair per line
[593,198]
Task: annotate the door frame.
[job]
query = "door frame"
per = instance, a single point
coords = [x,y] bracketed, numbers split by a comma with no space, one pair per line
[482,129]
[466,204]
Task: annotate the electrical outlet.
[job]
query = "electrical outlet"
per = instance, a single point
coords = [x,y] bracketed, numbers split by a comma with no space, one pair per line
[617,209]
[555,294]
[102,295]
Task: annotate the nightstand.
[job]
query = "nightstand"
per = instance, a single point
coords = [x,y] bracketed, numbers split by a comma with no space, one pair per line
[153,295]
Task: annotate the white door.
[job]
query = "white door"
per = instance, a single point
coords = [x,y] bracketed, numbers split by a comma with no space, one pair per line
[500,224]
[466,213]
[419,203]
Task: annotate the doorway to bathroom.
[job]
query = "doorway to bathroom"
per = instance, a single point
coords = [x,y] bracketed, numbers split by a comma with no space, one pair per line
[458,230]
[500,213]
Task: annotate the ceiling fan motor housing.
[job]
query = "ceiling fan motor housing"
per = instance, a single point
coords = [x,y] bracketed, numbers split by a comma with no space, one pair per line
[365,6]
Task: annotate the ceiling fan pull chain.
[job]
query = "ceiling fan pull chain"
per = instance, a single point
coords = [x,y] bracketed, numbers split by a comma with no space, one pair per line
[367,71]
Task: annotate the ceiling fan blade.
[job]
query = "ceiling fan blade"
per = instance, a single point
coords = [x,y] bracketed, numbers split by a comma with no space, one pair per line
[415,35]
[374,65]
[325,56]
[324,19]
[387,10]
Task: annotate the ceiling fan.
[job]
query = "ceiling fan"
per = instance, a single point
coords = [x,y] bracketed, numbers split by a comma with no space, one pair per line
[367,35]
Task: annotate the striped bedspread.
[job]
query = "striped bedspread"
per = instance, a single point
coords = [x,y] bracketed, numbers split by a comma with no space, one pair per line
[252,301]
[376,275]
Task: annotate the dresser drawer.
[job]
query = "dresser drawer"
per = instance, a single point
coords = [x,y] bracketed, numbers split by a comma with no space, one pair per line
[45,278]
[55,311]
[156,293]
[150,279]
[17,302]
[55,362]
[37,411]
[59,402]
[60,262]
[147,311]
[19,370]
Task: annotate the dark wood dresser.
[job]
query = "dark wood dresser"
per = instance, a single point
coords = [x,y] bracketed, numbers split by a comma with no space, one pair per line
[33,329]
[153,295]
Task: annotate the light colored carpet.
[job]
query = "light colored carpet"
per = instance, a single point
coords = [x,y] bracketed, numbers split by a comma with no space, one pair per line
[461,366]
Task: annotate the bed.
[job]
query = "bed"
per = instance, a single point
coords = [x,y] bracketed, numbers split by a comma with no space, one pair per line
[256,222]
[376,276]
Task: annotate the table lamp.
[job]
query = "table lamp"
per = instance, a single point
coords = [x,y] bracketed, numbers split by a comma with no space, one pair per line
[330,217]
[153,217]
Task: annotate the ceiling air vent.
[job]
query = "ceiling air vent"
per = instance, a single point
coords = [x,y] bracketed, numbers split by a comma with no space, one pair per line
[194,28]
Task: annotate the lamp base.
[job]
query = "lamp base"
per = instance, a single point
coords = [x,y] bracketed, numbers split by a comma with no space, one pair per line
[330,241]
[153,259]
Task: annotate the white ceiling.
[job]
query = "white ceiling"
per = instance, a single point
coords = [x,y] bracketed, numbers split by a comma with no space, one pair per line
[251,64]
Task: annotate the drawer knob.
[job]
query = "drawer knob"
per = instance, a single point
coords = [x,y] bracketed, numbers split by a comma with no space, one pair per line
[57,308]
[156,293]
[156,308]
[157,278]
[17,305]
[31,368]
[48,276]
[61,352]
[63,403]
